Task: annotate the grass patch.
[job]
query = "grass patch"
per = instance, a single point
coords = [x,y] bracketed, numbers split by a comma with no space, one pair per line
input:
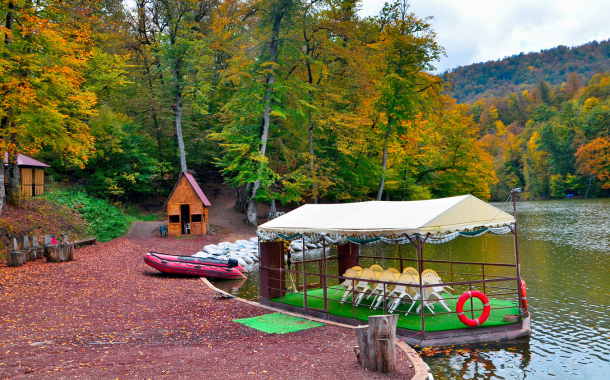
[105,221]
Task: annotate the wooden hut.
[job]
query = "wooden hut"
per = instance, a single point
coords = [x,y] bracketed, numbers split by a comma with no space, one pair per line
[187,208]
[31,174]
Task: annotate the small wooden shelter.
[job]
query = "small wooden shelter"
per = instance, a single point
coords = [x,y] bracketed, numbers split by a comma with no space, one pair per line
[187,208]
[31,174]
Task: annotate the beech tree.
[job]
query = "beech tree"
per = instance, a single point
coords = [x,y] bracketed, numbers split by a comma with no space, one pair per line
[44,57]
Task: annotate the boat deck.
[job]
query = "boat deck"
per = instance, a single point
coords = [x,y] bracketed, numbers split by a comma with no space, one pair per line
[440,322]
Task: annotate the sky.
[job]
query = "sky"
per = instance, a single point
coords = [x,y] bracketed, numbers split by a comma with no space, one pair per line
[482,30]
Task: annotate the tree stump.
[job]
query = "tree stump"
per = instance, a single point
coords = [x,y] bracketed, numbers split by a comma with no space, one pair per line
[30,254]
[59,253]
[16,258]
[376,349]
[39,251]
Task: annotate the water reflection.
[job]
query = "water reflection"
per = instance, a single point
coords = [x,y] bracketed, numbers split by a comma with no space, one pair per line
[564,260]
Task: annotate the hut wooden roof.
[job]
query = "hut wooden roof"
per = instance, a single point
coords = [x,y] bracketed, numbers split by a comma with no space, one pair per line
[23,160]
[195,186]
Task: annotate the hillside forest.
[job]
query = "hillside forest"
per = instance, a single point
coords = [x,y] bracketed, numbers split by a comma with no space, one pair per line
[524,71]
[296,101]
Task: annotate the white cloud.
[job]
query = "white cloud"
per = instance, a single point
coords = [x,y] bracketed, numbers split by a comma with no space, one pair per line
[478,30]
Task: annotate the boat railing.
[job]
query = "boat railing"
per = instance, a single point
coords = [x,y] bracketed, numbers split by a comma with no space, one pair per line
[303,281]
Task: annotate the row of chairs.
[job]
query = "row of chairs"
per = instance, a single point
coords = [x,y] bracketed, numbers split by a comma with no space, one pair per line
[405,290]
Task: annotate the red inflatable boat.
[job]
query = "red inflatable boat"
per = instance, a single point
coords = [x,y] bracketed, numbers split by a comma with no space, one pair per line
[194,266]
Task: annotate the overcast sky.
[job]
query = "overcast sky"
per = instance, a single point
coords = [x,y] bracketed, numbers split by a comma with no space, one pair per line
[482,30]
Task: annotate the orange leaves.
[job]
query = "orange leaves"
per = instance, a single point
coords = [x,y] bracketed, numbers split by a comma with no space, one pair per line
[594,158]
[41,82]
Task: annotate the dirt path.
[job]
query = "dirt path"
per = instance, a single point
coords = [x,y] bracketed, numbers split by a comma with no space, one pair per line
[108,315]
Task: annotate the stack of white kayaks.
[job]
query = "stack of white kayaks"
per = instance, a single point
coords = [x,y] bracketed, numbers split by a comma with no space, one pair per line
[297,245]
[244,251]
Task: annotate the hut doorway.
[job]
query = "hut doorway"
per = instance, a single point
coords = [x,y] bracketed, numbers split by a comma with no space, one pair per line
[185,217]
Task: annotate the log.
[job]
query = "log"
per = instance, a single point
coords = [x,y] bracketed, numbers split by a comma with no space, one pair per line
[80,243]
[376,349]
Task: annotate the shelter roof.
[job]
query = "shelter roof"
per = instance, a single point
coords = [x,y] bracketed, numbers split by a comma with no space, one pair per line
[195,187]
[23,160]
[435,216]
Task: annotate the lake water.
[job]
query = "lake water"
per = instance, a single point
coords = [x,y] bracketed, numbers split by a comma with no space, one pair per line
[565,261]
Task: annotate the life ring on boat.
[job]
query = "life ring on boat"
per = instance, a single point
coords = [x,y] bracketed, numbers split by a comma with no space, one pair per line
[523,295]
[459,309]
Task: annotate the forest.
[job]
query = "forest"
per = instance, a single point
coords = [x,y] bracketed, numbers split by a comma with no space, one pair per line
[523,71]
[552,141]
[287,100]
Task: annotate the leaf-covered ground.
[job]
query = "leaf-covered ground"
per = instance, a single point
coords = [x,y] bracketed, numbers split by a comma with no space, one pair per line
[109,315]
[37,216]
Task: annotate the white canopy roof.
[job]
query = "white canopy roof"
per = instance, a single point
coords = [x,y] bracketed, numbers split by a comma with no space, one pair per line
[390,218]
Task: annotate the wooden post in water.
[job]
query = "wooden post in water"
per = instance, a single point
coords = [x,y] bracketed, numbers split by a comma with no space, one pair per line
[376,349]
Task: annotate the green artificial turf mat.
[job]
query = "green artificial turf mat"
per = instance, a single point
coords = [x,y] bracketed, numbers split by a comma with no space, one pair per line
[278,323]
[412,321]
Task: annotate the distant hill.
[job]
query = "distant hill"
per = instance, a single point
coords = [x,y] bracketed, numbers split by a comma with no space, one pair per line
[519,72]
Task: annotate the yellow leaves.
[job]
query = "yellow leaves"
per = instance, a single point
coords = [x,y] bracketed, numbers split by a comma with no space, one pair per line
[590,103]
[493,112]
[500,128]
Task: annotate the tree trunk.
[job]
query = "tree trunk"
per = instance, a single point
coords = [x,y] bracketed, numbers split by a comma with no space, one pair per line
[14,187]
[273,53]
[7,119]
[385,158]
[2,194]
[311,151]
[176,74]
[376,349]
[312,157]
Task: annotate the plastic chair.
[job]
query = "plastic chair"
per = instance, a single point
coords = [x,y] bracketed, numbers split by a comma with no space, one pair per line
[163,231]
[411,271]
[347,284]
[395,271]
[381,290]
[377,269]
[357,269]
[401,291]
[428,301]
[187,228]
[362,287]
[434,278]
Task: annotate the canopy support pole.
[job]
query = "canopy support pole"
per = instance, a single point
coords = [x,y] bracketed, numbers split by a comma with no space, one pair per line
[324,279]
[400,256]
[514,231]
[419,245]
[304,277]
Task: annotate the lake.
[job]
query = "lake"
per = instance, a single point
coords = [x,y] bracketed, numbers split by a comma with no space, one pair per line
[565,262]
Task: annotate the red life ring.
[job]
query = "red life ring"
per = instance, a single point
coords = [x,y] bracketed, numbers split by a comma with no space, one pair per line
[459,309]
[523,295]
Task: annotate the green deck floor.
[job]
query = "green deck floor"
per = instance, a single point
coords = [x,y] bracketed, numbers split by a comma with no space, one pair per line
[439,322]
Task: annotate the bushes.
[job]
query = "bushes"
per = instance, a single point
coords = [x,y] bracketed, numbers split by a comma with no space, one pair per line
[106,222]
